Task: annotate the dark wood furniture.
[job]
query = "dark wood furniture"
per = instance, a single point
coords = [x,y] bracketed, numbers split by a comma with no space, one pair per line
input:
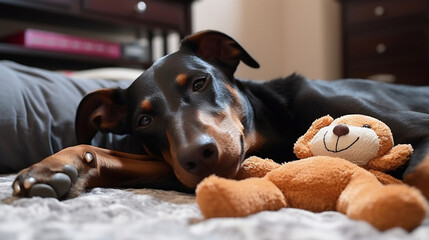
[386,40]
[140,18]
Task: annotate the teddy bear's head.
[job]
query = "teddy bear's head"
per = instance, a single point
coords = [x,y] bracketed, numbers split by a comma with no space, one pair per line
[357,138]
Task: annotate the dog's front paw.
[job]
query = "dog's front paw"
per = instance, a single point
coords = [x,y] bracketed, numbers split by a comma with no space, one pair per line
[41,181]
[62,175]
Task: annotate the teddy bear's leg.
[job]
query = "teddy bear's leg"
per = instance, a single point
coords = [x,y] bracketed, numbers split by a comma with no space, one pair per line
[384,206]
[419,176]
[385,178]
[219,197]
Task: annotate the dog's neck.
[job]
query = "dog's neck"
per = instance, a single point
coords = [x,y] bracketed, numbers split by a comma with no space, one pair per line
[270,134]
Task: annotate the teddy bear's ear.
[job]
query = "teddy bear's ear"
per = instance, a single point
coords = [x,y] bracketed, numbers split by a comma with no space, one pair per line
[302,146]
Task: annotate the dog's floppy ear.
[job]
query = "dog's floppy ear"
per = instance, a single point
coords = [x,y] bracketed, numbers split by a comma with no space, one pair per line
[102,110]
[219,47]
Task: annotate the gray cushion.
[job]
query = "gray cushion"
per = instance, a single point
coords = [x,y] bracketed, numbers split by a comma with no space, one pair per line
[37,112]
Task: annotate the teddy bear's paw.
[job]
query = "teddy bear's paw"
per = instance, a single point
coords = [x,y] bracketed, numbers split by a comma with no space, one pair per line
[392,206]
[256,167]
[219,197]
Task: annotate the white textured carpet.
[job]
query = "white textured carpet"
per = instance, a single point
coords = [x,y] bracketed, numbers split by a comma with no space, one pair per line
[154,214]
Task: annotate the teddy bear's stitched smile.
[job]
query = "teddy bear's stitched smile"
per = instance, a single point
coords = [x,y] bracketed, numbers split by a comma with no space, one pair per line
[336,144]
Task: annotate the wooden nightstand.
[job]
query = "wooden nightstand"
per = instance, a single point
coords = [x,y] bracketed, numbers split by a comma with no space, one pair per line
[386,40]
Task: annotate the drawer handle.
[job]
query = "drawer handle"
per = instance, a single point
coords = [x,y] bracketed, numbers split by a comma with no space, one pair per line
[379,11]
[140,7]
[380,48]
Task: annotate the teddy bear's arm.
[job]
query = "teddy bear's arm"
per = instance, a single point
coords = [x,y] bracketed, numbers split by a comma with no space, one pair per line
[256,167]
[395,158]
[302,146]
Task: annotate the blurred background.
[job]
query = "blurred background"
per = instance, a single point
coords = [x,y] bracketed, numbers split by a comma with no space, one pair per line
[284,36]
[382,40]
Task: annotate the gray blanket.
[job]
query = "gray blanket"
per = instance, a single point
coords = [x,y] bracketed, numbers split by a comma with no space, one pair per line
[105,213]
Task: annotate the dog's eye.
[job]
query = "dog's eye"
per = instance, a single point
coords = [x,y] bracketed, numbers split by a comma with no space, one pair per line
[366,126]
[198,84]
[144,121]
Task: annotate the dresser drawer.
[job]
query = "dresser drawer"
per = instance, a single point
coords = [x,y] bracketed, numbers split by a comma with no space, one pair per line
[381,10]
[408,71]
[383,45]
[165,12]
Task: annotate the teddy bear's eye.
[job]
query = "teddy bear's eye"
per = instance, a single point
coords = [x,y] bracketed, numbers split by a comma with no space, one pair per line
[366,126]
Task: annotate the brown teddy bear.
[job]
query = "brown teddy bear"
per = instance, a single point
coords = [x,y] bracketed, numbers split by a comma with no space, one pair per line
[322,181]
[360,139]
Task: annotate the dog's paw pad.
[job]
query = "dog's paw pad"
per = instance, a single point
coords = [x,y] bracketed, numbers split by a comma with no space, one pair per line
[42,190]
[61,183]
[71,171]
[41,182]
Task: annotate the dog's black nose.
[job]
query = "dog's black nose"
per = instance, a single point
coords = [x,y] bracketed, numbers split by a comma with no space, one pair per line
[341,130]
[199,157]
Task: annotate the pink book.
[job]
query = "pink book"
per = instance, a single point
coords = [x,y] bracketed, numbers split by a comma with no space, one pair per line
[51,41]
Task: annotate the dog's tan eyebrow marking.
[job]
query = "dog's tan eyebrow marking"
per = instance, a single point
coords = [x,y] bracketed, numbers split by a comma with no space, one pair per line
[181,79]
[236,97]
[146,105]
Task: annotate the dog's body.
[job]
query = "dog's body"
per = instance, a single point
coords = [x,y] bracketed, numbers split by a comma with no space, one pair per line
[307,99]
[193,118]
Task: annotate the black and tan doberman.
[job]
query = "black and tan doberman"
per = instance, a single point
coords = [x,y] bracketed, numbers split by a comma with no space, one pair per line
[194,119]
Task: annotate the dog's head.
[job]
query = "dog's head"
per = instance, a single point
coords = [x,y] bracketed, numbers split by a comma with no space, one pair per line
[185,108]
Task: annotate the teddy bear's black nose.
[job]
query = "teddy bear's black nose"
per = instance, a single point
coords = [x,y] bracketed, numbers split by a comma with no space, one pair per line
[341,130]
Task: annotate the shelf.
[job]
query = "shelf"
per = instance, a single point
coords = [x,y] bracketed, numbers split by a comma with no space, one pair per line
[33,57]
[110,18]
